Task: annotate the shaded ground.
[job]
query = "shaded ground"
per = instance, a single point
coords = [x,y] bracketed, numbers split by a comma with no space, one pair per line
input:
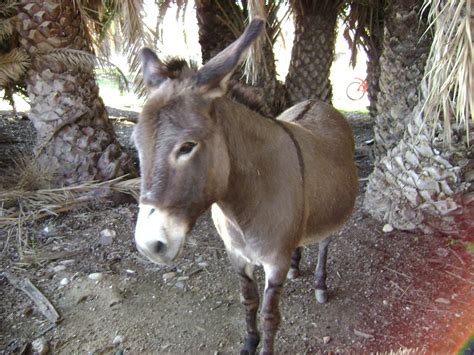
[386,290]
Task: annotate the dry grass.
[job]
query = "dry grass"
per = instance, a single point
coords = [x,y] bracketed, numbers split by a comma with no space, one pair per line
[449,67]
[19,206]
[26,174]
[30,197]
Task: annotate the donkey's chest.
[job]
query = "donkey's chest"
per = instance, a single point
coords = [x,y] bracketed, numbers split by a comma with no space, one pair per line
[235,240]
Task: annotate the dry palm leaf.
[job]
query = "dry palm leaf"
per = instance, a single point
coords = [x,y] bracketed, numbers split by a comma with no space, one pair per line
[449,68]
[13,65]
[16,205]
[104,20]
[6,29]
[79,59]
[8,8]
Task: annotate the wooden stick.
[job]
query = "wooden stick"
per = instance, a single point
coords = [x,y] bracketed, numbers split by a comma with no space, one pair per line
[44,306]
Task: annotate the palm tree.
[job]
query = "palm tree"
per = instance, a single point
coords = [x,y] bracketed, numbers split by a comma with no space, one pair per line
[313,49]
[402,64]
[218,22]
[425,180]
[221,22]
[75,139]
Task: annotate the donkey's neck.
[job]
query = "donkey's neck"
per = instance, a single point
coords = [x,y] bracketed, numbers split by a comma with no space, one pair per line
[265,179]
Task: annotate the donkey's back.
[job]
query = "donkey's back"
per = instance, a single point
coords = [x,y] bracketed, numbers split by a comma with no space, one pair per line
[327,146]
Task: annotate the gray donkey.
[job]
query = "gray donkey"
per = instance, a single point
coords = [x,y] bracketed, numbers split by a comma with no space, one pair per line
[274,184]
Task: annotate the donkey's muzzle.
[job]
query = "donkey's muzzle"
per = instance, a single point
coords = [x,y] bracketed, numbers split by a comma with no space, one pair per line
[159,235]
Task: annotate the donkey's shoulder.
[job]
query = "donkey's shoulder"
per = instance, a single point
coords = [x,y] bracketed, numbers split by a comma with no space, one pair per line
[313,112]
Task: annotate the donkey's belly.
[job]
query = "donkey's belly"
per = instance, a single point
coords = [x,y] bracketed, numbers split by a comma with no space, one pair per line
[233,237]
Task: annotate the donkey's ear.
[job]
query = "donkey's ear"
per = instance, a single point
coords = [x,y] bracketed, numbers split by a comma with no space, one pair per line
[154,72]
[213,77]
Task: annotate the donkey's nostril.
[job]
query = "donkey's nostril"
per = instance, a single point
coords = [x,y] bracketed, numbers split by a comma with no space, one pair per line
[158,247]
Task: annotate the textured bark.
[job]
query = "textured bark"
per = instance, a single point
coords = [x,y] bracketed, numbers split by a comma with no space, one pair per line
[402,66]
[418,186]
[374,51]
[418,183]
[75,138]
[312,56]
[214,35]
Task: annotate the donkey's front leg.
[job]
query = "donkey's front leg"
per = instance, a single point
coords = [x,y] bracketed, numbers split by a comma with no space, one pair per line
[250,301]
[270,314]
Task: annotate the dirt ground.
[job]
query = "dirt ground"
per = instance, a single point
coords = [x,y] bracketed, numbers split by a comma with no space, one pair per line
[387,291]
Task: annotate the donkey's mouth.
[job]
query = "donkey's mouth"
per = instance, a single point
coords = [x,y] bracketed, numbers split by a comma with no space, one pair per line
[162,255]
[159,235]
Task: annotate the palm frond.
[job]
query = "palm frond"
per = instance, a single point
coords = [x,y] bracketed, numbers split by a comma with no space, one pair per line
[8,8]
[104,21]
[448,74]
[13,65]
[363,21]
[20,205]
[163,7]
[79,59]
[6,29]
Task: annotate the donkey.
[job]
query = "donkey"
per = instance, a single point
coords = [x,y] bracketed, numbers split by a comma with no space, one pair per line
[274,184]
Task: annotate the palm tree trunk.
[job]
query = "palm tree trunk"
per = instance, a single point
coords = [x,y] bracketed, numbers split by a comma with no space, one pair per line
[75,138]
[313,52]
[420,186]
[422,183]
[214,34]
[374,51]
[402,66]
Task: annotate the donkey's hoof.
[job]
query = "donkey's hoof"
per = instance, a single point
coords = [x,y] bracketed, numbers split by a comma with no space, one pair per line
[293,274]
[250,345]
[321,296]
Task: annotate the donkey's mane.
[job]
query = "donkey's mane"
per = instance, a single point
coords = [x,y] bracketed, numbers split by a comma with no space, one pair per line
[249,96]
[178,64]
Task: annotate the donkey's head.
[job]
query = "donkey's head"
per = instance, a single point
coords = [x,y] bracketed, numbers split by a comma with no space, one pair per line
[184,160]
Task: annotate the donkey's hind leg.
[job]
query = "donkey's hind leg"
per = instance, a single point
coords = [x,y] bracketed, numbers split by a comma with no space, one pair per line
[320,275]
[250,301]
[295,264]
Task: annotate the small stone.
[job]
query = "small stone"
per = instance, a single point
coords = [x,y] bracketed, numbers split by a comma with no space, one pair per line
[130,272]
[96,276]
[64,281]
[59,268]
[67,262]
[183,278]
[107,236]
[180,285]
[117,340]
[387,228]
[442,300]
[116,297]
[40,346]
[363,334]
[326,339]
[442,252]
[169,276]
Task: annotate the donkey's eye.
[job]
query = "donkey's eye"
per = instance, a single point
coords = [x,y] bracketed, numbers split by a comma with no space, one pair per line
[186,148]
